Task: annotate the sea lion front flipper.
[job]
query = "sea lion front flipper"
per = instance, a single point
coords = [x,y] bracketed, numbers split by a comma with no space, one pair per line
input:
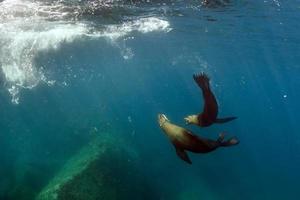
[182,154]
[224,120]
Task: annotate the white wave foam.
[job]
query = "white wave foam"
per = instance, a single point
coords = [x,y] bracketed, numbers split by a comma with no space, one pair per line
[28,28]
[21,47]
[143,25]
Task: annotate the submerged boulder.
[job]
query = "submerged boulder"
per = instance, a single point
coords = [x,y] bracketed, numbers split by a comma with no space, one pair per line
[107,168]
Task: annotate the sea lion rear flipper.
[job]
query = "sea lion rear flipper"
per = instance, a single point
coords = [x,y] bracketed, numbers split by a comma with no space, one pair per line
[221,137]
[202,80]
[182,154]
[224,120]
[232,141]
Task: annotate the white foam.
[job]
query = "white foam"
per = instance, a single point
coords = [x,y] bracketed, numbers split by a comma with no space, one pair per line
[28,28]
[21,47]
[143,25]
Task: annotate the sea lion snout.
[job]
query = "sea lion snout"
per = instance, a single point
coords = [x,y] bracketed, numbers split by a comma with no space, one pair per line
[162,119]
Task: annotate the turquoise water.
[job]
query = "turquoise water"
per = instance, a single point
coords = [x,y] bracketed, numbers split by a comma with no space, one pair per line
[71,70]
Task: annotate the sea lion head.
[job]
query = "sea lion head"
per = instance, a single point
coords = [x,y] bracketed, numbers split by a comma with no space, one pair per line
[191,119]
[162,119]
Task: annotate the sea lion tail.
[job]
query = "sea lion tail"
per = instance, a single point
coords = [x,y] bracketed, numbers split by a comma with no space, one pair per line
[232,141]
[202,80]
[224,120]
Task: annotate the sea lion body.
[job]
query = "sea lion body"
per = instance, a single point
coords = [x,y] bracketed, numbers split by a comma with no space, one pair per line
[184,140]
[187,140]
[210,110]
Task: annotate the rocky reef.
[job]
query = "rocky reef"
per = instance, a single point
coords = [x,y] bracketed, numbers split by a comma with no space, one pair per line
[107,168]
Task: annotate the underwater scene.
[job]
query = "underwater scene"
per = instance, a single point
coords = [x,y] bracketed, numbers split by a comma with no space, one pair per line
[150,99]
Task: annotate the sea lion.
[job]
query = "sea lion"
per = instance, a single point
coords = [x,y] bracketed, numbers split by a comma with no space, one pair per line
[215,3]
[210,110]
[184,140]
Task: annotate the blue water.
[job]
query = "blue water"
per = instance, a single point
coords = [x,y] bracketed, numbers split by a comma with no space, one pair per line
[64,76]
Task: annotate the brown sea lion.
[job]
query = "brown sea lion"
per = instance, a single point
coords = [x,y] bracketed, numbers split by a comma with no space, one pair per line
[210,110]
[184,140]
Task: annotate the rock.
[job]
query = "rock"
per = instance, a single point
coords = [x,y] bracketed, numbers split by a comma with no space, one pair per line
[107,168]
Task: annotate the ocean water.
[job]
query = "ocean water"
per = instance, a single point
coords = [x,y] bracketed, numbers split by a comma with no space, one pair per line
[72,70]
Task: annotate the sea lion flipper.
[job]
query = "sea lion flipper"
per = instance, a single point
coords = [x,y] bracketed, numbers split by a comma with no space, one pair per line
[202,81]
[221,137]
[224,120]
[230,142]
[183,155]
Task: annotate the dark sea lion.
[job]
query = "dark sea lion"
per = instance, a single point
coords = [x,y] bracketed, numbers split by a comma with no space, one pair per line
[184,140]
[215,3]
[210,110]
